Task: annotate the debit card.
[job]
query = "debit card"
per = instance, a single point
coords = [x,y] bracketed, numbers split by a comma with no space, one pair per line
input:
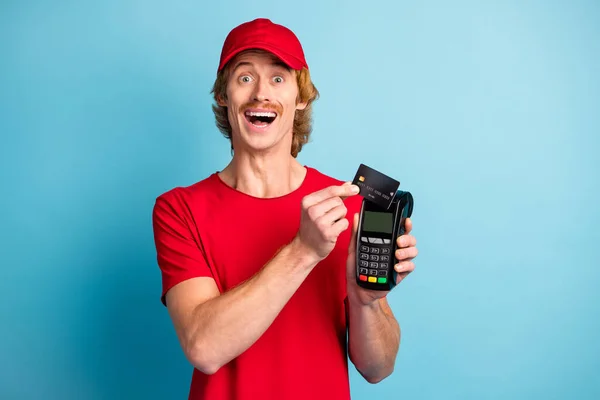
[375,186]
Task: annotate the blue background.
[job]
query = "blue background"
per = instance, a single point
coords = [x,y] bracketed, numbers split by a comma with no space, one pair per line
[488,112]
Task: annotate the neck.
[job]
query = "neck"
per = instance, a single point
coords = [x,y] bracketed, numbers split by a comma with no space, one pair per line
[263,177]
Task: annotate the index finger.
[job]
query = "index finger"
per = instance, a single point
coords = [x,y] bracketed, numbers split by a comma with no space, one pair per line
[407,225]
[343,191]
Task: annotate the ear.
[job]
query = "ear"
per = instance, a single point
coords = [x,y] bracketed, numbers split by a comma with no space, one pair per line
[221,102]
[301,106]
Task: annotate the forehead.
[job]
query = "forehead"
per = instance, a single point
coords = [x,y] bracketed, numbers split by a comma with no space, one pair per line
[257,58]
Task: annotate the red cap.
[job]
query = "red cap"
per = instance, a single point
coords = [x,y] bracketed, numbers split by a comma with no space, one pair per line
[263,34]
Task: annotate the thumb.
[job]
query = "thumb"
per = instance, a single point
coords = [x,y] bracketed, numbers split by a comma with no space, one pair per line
[352,246]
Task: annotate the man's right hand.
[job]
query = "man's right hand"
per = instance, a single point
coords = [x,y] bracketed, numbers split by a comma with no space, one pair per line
[322,219]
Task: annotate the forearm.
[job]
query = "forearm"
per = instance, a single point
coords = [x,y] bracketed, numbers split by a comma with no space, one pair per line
[227,325]
[374,339]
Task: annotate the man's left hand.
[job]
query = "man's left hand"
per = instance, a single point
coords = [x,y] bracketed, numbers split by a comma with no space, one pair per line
[405,254]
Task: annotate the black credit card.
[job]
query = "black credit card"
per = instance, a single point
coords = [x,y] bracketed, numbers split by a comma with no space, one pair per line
[375,186]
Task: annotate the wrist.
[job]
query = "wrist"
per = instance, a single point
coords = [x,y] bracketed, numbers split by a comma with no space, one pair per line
[367,303]
[305,256]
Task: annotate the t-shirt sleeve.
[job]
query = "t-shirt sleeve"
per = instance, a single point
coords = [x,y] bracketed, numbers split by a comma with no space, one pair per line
[178,250]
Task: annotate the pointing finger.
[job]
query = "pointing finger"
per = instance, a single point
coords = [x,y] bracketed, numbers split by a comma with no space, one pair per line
[331,191]
[408,225]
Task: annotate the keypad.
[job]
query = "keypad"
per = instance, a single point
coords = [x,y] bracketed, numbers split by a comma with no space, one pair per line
[374,255]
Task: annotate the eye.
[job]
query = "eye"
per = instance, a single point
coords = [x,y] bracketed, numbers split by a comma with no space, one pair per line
[278,79]
[245,78]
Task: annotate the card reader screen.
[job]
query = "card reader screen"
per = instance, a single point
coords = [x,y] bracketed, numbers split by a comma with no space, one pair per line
[378,222]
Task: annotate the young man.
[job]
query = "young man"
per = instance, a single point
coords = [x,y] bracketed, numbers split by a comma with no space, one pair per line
[257,260]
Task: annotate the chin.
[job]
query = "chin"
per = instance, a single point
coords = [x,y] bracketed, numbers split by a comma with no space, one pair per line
[262,143]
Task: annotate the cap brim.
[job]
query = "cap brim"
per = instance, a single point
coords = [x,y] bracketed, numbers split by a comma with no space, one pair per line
[287,59]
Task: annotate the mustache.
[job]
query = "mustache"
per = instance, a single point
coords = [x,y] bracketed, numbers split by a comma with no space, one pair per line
[265,106]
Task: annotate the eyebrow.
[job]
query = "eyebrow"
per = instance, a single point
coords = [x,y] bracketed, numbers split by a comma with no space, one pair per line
[281,64]
[240,64]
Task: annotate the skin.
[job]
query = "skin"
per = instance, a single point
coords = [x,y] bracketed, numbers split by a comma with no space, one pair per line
[214,328]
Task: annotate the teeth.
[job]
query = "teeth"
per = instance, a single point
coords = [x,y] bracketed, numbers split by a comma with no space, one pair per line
[261,114]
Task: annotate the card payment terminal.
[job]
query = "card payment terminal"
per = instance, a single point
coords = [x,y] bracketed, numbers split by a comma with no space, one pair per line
[378,229]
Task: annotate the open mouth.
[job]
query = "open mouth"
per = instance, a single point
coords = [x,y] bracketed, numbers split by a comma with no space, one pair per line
[260,119]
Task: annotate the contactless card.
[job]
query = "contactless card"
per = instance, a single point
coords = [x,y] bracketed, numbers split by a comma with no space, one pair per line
[375,186]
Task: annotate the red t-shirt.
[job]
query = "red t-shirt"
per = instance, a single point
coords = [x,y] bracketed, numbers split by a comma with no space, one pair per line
[210,229]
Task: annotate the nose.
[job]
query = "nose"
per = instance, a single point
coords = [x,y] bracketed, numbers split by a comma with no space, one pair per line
[262,90]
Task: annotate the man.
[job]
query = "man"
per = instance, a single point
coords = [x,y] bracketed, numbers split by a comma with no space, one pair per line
[257,260]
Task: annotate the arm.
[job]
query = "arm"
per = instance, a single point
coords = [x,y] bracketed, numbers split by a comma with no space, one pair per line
[215,328]
[373,338]
[373,332]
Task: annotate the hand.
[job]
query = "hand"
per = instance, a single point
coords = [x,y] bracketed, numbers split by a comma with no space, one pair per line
[322,219]
[406,252]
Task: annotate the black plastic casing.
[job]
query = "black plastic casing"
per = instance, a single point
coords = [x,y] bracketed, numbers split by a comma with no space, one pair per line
[401,208]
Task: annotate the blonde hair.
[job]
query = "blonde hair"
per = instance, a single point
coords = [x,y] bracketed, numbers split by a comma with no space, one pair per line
[307,93]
